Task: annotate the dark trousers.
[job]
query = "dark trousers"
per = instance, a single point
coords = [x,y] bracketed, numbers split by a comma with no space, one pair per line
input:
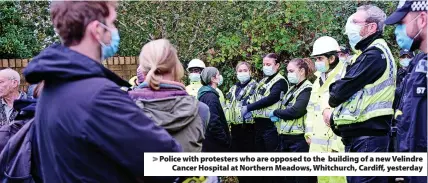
[295,143]
[267,140]
[266,135]
[366,144]
[243,136]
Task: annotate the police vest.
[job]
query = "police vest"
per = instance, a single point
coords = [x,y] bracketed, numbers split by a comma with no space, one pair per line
[234,103]
[322,137]
[262,91]
[295,126]
[373,100]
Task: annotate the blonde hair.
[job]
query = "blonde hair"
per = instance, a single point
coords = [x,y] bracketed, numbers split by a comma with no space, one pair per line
[157,58]
[243,63]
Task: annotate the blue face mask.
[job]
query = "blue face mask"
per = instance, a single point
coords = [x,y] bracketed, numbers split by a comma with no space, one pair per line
[321,66]
[405,62]
[108,51]
[293,78]
[403,40]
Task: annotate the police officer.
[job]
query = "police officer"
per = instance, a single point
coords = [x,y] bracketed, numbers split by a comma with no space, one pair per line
[242,130]
[363,97]
[318,134]
[195,68]
[411,34]
[290,117]
[265,100]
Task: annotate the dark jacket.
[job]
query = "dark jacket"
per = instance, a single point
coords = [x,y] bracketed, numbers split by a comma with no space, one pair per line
[170,107]
[412,124]
[15,144]
[401,73]
[217,136]
[86,128]
[368,68]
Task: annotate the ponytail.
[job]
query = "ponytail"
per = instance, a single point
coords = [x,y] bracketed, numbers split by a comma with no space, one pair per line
[307,65]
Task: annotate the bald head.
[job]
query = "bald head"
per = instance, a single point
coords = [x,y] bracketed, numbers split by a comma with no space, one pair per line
[9,81]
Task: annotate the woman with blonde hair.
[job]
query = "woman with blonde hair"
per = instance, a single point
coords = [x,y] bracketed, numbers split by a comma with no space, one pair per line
[163,97]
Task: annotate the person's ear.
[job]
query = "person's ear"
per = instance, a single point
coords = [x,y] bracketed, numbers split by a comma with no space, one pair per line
[332,59]
[95,30]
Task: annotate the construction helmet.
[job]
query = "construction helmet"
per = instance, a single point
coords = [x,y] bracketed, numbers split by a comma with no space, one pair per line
[196,63]
[324,45]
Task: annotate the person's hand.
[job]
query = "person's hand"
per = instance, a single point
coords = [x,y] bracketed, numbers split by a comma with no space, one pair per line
[308,140]
[326,116]
[272,117]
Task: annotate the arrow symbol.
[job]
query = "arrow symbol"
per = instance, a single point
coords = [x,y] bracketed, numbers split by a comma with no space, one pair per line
[155,159]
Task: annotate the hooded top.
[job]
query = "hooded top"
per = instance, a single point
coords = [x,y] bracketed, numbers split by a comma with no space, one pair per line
[86,128]
[182,115]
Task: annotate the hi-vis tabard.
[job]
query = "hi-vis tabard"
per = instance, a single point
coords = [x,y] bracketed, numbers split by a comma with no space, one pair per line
[295,126]
[322,137]
[262,91]
[373,100]
[234,103]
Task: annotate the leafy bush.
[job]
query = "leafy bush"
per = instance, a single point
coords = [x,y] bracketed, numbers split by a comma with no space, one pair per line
[220,33]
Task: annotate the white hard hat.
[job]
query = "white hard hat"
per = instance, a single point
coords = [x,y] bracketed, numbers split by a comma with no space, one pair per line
[325,44]
[196,63]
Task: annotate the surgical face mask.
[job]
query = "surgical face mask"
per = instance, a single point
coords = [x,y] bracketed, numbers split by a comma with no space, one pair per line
[243,76]
[111,49]
[353,32]
[344,59]
[268,70]
[403,40]
[292,77]
[321,66]
[405,62]
[195,77]
[220,81]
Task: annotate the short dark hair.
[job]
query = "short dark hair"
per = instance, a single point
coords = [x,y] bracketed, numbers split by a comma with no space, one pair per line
[70,18]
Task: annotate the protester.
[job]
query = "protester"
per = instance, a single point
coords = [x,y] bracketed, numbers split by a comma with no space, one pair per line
[290,117]
[9,92]
[363,97]
[195,68]
[411,34]
[217,136]
[164,99]
[318,134]
[88,129]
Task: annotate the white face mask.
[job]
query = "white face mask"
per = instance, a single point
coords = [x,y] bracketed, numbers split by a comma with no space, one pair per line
[243,76]
[268,70]
[195,77]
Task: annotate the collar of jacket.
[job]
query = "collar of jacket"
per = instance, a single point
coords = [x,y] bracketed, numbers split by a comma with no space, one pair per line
[271,77]
[363,44]
[143,91]
[206,89]
[242,85]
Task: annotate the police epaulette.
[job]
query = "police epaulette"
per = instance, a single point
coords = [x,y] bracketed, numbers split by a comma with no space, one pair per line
[421,67]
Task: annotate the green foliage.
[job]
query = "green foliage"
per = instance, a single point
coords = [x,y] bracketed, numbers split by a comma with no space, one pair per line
[16,35]
[219,32]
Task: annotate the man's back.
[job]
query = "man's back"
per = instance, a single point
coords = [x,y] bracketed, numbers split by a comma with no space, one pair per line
[86,128]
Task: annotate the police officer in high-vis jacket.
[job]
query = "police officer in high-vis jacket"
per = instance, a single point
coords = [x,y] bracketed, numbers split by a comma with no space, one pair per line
[363,97]
[265,100]
[411,34]
[318,134]
[290,117]
[242,130]
[195,68]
